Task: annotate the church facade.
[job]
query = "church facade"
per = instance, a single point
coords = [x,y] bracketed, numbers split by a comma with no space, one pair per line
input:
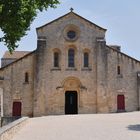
[72,71]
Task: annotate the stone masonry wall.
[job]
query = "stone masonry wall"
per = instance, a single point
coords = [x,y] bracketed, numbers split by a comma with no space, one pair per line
[123,84]
[54,33]
[102,68]
[15,88]
[97,86]
[40,79]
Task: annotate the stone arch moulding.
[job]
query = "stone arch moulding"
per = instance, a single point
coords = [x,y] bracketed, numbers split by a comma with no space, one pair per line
[71,47]
[86,50]
[72,83]
[56,50]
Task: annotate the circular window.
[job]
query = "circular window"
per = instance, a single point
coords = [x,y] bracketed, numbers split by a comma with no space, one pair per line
[71,34]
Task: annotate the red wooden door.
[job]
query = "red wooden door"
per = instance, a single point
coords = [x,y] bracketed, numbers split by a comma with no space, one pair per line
[16,108]
[121,102]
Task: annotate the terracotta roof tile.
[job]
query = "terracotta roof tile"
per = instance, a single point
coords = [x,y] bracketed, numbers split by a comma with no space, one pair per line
[15,54]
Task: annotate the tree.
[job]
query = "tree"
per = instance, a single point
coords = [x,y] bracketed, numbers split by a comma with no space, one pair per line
[16,17]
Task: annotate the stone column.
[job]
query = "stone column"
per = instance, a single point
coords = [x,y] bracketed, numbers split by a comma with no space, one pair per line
[1,102]
[102,98]
[138,89]
[40,78]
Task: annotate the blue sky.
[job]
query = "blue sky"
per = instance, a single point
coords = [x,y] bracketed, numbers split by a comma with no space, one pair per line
[121,18]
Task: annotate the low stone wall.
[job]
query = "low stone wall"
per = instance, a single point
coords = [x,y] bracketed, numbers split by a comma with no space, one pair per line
[8,131]
[7,120]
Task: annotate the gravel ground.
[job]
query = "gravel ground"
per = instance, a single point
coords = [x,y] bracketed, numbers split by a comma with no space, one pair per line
[120,126]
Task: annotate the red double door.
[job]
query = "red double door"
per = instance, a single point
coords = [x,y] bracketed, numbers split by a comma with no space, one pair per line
[120,102]
[17,108]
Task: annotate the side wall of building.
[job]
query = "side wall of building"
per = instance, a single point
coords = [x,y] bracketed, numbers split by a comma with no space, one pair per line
[15,88]
[123,81]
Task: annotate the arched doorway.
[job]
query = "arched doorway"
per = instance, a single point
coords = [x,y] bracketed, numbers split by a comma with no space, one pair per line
[71,102]
[71,87]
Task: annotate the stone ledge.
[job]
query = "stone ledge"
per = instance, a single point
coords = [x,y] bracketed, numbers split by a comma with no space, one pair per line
[8,131]
[86,69]
[71,69]
[56,69]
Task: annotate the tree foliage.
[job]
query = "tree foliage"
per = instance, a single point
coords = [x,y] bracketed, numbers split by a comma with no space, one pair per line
[16,17]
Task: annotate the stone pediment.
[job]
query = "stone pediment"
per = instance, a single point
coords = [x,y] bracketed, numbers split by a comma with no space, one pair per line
[74,15]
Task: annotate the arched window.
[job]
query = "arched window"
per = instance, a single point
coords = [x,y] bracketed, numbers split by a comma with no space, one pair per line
[26,77]
[86,59]
[71,55]
[56,59]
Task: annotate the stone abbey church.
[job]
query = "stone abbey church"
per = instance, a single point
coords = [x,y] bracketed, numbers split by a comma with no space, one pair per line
[72,71]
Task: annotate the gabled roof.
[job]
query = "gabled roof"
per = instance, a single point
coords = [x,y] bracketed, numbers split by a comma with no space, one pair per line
[75,15]
[15,54]
[26,55]
[123,54]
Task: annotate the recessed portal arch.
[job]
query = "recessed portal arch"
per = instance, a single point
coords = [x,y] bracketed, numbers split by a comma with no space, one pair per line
[71,87]
[71,84]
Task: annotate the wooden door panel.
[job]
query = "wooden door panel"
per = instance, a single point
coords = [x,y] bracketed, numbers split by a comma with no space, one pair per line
[71,102]
[121,102]
[17,108]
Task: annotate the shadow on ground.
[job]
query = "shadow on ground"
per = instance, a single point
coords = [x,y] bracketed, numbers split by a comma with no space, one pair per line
[134,127]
